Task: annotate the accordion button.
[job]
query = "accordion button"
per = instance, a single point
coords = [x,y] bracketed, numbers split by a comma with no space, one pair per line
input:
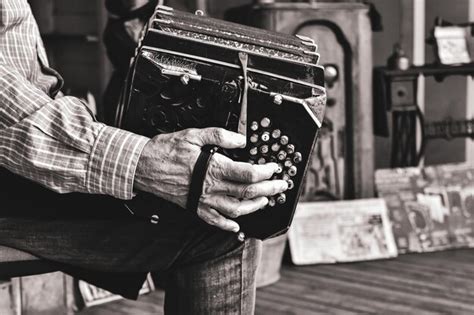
[290,149]
[254,138]
[276,133]
[292,171]
[265,122]
[265,136]
[271,202]
[275,147]
[264,149]
[281,199]
[284,140]
[297,158]
[279,169]
[261,161]
[241,236]
[286,177]
[254,126]
[253,151]
[288,163]
[281,155]
[291,184]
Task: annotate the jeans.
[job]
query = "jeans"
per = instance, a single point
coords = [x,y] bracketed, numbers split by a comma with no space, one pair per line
[207,271]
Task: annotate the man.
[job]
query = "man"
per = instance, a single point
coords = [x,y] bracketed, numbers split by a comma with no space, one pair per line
[83,225]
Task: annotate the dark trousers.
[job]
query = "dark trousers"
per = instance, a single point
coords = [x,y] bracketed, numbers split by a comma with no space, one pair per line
[95,238]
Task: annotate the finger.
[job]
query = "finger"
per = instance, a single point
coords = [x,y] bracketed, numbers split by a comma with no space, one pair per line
[221,137]
[214,218]
[252,191]
[233,207]
[224,168]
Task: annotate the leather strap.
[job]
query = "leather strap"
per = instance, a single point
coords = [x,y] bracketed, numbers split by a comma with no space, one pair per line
[197,178]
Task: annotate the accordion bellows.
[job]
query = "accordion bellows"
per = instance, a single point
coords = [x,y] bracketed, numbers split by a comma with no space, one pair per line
[192,71]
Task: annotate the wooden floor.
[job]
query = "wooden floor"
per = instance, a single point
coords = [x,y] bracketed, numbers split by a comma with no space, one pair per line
[434,283]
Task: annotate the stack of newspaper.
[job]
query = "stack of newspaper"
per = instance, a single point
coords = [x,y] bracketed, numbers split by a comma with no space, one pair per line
[430,208]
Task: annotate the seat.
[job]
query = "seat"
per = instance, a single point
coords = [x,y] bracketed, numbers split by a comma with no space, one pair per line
[16,263]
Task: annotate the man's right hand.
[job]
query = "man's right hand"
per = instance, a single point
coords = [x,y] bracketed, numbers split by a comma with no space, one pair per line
[231,189]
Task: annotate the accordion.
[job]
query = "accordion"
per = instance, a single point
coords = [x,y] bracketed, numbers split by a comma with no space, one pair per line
[192,71]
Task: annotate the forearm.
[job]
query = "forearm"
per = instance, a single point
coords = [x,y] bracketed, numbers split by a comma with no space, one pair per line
[59,144]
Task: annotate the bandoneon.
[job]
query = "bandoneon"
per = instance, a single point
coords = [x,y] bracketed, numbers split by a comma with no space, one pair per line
[192,71]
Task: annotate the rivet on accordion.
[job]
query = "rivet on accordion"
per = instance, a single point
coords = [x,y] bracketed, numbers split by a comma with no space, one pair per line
[241,236]
[278,99]
[280,169]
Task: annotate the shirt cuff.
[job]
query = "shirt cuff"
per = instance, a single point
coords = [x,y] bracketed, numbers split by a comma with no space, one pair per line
[113,162]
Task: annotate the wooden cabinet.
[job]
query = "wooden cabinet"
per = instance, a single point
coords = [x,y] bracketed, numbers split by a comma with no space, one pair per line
[343,161]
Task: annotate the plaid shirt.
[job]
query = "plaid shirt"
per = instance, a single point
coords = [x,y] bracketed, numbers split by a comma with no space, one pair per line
[54,141]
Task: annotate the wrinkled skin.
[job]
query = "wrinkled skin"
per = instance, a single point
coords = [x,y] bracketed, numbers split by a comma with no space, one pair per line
[231,189]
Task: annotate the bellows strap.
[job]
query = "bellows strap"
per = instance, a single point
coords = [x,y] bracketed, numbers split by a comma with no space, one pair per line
[197,178]
[242,127]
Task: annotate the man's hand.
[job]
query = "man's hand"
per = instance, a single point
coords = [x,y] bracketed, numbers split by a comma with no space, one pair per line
[231,189]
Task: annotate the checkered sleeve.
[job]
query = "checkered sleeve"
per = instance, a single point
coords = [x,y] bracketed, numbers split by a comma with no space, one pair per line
[58,143]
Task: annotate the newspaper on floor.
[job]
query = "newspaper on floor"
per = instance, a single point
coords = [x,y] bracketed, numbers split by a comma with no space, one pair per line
[431,208]
[341,231]
[92,295]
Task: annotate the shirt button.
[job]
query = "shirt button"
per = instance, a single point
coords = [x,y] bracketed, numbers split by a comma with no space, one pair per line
[154,219]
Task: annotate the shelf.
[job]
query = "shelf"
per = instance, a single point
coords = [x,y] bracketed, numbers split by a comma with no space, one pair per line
[436,70]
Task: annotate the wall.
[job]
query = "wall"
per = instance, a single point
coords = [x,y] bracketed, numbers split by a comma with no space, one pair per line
[442,100]
[446,99]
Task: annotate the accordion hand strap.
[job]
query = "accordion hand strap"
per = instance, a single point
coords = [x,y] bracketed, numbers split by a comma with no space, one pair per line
[197,178]
[202,163]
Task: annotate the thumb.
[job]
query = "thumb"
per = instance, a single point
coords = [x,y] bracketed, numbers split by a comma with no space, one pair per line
[223,138]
